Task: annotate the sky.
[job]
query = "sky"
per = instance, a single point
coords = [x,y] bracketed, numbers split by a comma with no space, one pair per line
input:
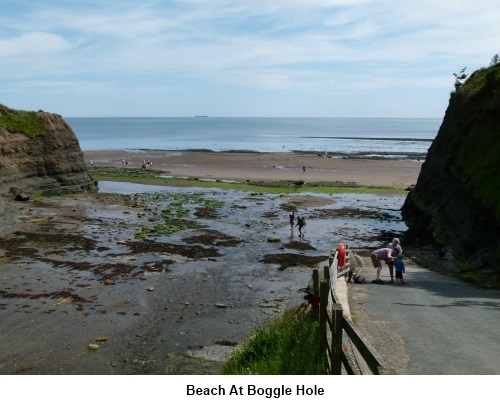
[241,58]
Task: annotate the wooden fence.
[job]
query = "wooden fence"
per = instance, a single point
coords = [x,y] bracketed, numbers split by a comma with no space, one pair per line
[335,326]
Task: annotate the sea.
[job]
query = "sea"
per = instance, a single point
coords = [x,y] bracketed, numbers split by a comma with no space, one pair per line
[389,138]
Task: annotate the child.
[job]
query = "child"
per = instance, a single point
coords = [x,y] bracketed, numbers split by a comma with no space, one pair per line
[399,266]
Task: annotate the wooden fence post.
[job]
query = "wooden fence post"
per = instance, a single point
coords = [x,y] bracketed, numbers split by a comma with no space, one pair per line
[337,319]
[323,314]
[326,273]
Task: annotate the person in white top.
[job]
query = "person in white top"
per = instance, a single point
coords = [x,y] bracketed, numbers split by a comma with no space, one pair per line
[394,245]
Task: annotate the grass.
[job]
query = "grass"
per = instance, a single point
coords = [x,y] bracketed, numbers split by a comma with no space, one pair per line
[475,142]
[288,346]
[177,182]
[24,122]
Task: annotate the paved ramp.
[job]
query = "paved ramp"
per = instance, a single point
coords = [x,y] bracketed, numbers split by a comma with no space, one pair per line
[436,324]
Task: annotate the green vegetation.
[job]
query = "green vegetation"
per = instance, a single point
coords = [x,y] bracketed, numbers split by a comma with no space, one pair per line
[460,78]
[25,122]
[289,346]
[476,144]
[268,189]
[173,215]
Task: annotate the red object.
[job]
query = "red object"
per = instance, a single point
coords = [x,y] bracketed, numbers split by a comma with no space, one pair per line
[315,302]
[341,255]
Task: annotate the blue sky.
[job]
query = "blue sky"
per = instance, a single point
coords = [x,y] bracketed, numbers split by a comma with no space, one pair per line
[248,58]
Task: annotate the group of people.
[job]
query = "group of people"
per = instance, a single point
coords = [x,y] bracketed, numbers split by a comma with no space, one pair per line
[301,222]
[392,255]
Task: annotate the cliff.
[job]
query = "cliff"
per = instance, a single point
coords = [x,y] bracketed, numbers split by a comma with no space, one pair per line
[456,201]
[40,152]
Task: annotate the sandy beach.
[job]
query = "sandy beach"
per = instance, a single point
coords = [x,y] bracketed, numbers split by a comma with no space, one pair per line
[243,166]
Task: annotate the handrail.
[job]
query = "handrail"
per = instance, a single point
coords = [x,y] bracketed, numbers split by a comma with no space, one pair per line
[334,325]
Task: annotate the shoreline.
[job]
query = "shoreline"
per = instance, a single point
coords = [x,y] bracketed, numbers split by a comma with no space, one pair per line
[244,166]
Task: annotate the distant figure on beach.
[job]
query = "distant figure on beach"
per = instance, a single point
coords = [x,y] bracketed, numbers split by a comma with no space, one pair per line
[292,219]
[385,254]
[303,169]
[400,268]
[301,222]
[395,245]
[123,161]
[91,163]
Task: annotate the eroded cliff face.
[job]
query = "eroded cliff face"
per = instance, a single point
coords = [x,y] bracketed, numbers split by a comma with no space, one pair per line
[456,201]
[47,158]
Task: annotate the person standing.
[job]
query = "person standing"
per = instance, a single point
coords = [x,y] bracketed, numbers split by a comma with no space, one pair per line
[385,254]
[400,268]
[395,245]
[292,219]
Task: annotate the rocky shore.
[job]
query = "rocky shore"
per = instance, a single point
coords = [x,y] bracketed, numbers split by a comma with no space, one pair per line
[169,282]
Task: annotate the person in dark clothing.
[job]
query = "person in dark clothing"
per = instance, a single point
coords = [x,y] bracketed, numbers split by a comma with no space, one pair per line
[301,222]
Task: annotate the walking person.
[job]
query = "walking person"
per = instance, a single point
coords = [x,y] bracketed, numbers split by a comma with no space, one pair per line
[300,223]
[385,254]
[395,245]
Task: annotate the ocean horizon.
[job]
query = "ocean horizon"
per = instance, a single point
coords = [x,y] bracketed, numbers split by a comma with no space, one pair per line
[397,138]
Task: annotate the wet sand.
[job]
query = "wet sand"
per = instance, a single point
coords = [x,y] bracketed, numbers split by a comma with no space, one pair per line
[76,273]
[246,166]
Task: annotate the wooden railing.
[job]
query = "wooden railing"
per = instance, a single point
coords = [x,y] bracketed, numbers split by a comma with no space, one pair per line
[334,326]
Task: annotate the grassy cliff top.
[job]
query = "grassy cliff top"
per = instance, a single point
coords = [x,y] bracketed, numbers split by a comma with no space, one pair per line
[473,134]
[29,123]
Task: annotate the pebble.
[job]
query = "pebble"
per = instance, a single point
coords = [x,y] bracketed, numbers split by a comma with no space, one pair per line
[221,305]
[93,346]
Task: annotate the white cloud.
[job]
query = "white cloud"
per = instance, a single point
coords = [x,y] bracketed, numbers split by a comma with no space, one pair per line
[306,45]
[33,43]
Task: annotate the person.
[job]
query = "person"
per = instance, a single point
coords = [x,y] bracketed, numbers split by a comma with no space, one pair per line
[303,169]
[400,268]
[301,221]
[292,219]
[385,254]
[395,245]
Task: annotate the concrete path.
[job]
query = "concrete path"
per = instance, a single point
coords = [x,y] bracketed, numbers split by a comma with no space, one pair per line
[436,324]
